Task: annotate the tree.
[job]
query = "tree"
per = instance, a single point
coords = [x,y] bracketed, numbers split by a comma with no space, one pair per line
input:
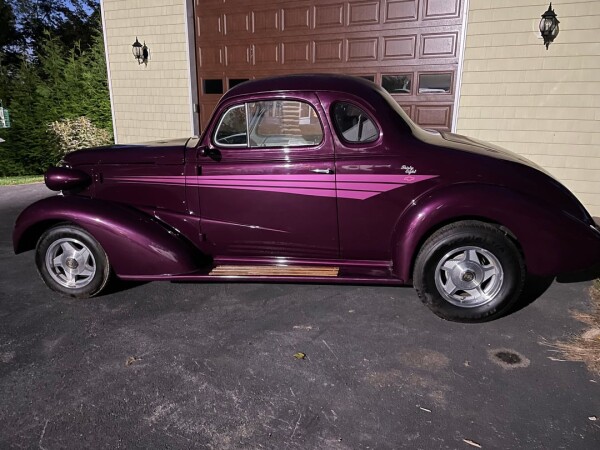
[73,21]
[55,82]
[9,35]
[16,157]
[10,45]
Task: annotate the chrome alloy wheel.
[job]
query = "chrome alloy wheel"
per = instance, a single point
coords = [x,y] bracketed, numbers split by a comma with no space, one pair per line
[469,277]
[70,263]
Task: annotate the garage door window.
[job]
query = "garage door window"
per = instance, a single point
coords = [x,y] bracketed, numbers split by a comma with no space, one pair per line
[435,83]
[273,123]
[353,124]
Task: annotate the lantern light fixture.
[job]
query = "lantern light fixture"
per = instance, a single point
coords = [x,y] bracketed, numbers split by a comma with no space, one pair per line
[549,26]
[140,52]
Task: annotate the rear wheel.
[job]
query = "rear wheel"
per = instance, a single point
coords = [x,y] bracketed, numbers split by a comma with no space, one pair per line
[469,272]
[72,262]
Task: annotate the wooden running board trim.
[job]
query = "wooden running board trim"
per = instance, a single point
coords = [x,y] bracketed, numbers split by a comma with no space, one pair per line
[283,271]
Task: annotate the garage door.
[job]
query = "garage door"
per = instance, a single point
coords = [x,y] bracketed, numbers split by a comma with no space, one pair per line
[410,47]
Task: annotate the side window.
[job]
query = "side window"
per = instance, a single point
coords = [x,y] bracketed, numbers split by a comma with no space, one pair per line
[353,124]
[231,131]
[273,123]
[283,123]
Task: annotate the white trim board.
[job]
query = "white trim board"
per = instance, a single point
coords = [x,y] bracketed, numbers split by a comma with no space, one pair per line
[191,60]
[459,70]
[110,88]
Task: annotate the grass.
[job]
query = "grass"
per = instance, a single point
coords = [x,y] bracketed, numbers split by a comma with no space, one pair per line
[586,347]
[27,179]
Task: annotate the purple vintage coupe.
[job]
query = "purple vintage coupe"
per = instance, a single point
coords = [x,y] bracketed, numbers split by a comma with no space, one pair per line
[311,178]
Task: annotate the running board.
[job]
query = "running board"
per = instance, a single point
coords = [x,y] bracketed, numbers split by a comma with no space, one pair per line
[274,271]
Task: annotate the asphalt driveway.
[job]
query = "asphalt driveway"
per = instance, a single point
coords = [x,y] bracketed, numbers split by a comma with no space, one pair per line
[165,365]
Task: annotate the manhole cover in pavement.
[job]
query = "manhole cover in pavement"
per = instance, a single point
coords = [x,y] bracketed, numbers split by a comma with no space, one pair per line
[509,359]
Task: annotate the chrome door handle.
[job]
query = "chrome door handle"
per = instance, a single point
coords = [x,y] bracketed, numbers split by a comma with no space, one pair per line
[325,171]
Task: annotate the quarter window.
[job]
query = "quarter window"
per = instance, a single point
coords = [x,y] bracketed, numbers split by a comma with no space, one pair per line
[273,123]
[353,124]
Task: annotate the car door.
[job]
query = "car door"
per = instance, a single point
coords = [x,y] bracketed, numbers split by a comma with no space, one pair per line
[265,180]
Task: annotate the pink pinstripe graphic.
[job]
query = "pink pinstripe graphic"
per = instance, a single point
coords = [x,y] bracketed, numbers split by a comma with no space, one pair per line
[355,187]
[403,179]
[283,190]
[266,184]
[375,187]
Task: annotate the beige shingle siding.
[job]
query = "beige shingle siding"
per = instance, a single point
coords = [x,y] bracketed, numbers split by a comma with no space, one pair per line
[149,102]
[544,104]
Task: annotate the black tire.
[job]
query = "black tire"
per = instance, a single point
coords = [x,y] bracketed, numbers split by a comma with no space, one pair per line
[462,254]
[72,262]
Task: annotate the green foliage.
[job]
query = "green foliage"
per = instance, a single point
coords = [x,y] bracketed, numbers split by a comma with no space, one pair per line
[60,83]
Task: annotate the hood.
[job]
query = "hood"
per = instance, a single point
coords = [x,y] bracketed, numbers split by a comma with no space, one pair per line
[159,152]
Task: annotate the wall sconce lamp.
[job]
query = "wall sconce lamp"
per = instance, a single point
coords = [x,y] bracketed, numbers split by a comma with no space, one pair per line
[140,52]
[549,26]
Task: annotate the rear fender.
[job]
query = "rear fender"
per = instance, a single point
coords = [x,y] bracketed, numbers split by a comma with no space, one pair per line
[548,237]
[136,244]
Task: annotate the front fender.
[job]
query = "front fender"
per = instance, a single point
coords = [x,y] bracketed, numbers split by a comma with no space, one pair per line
[136,244]
[553,242]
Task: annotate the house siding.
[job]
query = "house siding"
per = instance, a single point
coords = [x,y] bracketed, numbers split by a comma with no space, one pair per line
[543,104]
[149,102]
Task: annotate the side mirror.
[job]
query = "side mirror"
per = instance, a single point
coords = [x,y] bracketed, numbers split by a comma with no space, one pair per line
[211,153]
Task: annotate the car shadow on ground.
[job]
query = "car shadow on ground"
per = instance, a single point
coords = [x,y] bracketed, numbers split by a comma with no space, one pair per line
[117,285]
[535,287]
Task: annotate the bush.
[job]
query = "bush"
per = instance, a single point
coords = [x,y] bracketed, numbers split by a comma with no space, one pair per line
[73,134]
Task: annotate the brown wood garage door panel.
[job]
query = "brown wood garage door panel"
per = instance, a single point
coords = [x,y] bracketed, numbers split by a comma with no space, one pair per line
[265,54]
[438,45]
[329,51]
[434,116]
[265,21]
[296,52]
[400,11]
[363,13]
[296,18]
[328,16]
[365,49]
[382,39]
[236,24]
[399,47]
[436,9]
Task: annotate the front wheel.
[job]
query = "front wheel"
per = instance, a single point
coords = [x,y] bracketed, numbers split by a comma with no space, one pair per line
[72,262]
[469,272]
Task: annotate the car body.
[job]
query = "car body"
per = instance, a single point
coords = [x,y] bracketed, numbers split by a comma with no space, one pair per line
[313,178]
